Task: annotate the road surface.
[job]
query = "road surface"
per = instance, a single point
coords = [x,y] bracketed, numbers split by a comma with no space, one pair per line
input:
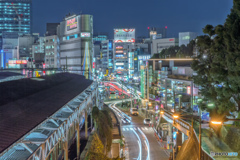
[156,151]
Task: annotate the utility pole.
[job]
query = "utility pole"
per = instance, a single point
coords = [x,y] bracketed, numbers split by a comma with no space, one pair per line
[66,63]
[122,93]
[131,97]
[200,137]
[174,96]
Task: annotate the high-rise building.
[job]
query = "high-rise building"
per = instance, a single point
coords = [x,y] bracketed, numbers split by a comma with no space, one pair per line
[15,16]
[123,53]
[52,55]
[75,33]
[186,37]
[51,29]
[104,59]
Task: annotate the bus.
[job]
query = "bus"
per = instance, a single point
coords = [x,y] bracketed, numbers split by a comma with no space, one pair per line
[113,95]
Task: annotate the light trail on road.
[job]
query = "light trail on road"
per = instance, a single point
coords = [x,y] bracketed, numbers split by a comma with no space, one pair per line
[140,145]
[146,142]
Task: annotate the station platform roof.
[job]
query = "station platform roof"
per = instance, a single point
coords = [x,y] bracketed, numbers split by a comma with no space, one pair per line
[28,102]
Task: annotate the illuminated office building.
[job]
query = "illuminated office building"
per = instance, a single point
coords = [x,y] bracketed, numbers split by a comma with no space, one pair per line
[15,16]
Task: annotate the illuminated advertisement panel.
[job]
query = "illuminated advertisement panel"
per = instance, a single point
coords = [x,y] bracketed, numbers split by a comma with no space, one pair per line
[85,34]
[124,35]
[17,62]
[71,24]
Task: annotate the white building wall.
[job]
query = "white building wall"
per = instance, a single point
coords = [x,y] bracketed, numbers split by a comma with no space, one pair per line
[159,44]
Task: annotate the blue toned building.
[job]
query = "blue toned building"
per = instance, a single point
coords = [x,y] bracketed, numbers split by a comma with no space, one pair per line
[104,58]
[15,16]
[97,38]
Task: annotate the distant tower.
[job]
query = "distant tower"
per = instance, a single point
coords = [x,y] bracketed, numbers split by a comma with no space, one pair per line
[16,16]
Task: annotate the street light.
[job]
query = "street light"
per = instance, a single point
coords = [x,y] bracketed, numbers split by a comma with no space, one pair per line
[216,122]
[161,112]
[175,116]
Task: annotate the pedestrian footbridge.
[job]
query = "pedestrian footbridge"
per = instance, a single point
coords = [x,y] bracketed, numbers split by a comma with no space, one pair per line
[184,127]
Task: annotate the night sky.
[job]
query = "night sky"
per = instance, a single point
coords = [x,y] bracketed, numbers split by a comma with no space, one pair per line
[177,15]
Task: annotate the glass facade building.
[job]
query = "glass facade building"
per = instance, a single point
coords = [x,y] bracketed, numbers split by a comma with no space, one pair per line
[15,16]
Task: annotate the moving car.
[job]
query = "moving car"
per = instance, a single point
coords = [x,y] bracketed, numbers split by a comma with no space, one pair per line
[134,111]
[126,121]
[147,121]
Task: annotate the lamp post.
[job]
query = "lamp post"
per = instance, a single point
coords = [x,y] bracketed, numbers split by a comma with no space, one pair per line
[122,93]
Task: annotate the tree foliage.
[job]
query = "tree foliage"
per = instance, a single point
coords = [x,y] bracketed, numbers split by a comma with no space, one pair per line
[218,64]
[96,150]
[103,122]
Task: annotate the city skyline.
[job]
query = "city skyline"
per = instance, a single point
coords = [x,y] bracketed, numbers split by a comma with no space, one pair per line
[133,15]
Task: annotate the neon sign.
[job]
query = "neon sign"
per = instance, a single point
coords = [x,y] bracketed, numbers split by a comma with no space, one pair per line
[17,62]
[188,90]
[124,35]
[85,34]
[71,24]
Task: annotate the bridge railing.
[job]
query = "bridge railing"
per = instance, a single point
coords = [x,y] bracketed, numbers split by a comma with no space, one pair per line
[186,128]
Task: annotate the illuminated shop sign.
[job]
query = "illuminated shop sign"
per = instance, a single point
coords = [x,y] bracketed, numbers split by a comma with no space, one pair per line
[120,67]
[85,34]
[17,62]
[144,57]
[119,47]
[110,45]
[119,55]
[71,24]
[188,90]
[119,51]
[124,35]
[119,64]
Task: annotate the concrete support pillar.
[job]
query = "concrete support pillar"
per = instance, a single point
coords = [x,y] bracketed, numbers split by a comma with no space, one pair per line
[166,94]
[147,83]
[65,148]
[86,124]
[170,132]
[179,139]
[192,95]
[78,140]
[43,151]
[183,138]
[91,121]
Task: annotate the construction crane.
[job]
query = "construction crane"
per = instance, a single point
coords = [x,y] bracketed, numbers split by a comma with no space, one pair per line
[19,17]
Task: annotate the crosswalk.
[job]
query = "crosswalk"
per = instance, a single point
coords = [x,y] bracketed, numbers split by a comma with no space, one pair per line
[136,128]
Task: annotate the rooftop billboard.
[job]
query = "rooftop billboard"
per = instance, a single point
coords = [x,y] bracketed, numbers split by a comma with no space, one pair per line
[124,35]
[71,24]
